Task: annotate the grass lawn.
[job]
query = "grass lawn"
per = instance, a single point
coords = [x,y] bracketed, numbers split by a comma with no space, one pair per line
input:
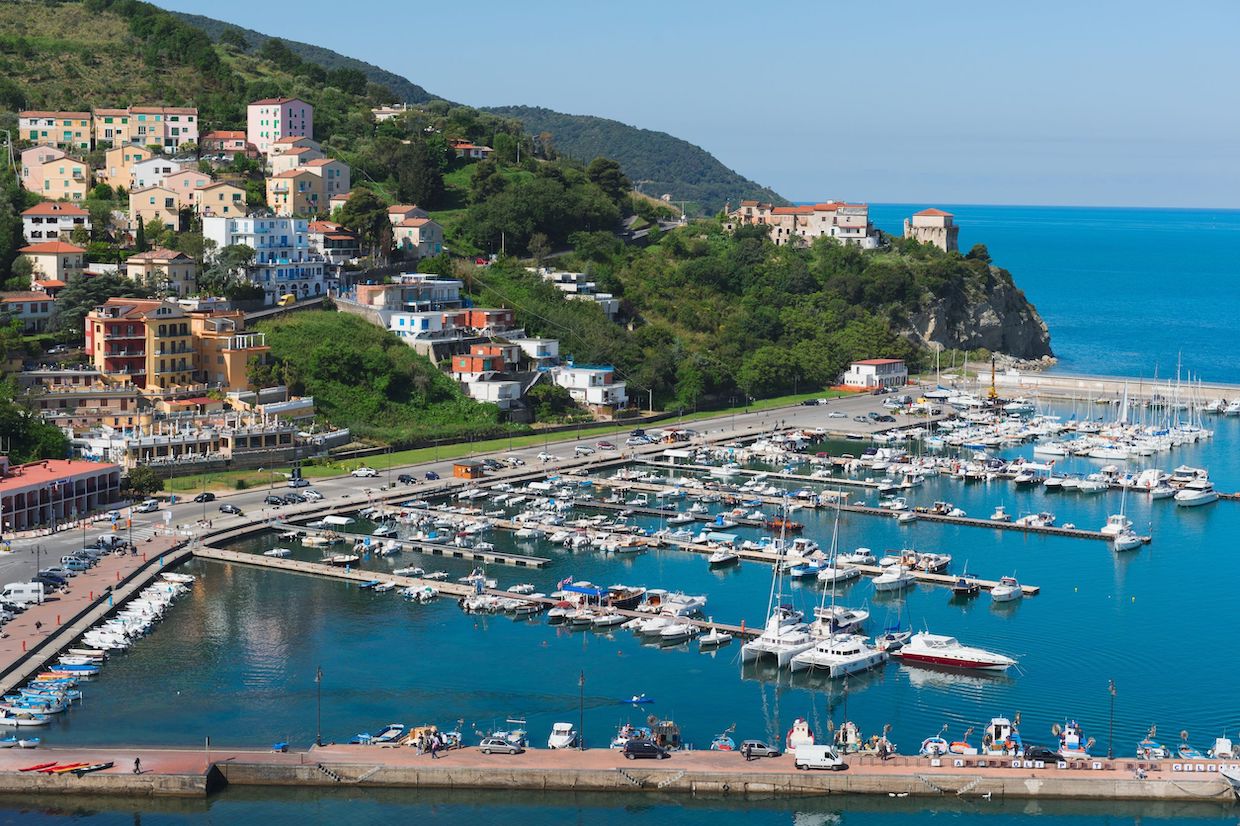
[227,480]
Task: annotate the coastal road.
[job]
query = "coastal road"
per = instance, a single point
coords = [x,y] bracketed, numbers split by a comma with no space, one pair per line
[20,563]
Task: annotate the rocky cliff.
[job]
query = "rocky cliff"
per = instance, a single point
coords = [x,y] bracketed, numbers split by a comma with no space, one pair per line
[995,315]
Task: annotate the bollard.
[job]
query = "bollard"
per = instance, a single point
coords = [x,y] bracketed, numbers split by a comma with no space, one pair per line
[118,576]
[58,619]
[92,596]
[23,645]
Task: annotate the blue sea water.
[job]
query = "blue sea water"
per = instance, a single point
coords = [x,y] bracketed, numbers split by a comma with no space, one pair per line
[1125,292]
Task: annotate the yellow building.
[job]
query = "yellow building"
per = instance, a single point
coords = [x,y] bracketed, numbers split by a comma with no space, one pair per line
[112,128]
[118,164]
[144,341]
[55,261]
[296,192]
[153,203]
[65,179]
[224,349]
[221,198]
[68,130]
[168,270]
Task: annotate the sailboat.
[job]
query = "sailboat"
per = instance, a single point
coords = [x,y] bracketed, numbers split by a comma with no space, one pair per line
[784,635]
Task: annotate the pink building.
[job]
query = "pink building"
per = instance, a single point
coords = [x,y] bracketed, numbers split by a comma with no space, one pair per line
[54,491]
[270,119]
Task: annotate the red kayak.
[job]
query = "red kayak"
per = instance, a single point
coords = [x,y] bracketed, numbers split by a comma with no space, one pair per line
[38,767]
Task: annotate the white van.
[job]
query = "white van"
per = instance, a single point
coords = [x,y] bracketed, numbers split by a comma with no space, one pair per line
[818,757]
[23,593]
[148,506]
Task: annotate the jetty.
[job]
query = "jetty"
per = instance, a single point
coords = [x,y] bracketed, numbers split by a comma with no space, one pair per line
[444,549]
[174,772]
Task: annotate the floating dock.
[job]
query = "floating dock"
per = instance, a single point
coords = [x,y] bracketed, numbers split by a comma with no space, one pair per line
[444,549]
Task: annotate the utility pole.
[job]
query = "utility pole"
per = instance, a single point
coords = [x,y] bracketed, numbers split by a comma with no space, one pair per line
[1111,729]
[581,711]
[318,684]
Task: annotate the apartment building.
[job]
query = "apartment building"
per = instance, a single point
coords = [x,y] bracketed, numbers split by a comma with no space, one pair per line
[53,221]
[270,119]
[284,263]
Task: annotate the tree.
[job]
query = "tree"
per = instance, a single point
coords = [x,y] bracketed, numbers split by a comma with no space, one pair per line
[12,238]
[82,295]
[22,274]
[102,192]
[228,271]
[139,239]
[142,481]
[366,214]
[419,175]
[540,247]
[979,253]
[352,81]
[232,36]
[607,176]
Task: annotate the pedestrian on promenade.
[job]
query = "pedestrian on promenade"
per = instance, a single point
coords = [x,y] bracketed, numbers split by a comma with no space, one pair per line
[748,752]
[434,746]
[38,626]
[137,765]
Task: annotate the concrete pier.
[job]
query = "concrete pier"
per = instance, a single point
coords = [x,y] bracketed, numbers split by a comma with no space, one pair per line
[187,772]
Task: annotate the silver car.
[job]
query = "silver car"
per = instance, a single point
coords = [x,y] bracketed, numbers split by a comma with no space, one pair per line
[498,745]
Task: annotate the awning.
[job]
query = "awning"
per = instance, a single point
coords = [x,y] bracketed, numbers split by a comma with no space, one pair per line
[337,520]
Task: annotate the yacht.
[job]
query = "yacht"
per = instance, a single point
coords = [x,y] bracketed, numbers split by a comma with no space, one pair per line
[1232,408]
[563,736]
[722,557]
[783,638]
[1195,493]
[838,574]
[860,556]
[1126,541]
[839,656]
[924,648]
[1008,590]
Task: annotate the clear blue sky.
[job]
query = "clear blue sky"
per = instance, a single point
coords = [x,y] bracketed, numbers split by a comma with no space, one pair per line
[1056,102]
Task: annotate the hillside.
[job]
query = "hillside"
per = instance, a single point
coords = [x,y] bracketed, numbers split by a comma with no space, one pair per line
[402,88]
[659,162]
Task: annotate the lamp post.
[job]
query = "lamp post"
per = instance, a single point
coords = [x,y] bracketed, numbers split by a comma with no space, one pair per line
[318,685]
[581,711]
[1111,728]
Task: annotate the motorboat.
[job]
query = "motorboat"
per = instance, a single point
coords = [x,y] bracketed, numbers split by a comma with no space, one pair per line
[563,736]
[1151,749]
[838,574]
[839,656]
[1222,749]
[1008,590]
[677,632]
[341,560]
[278,553]
[389,733]
[1162,491]
[835,619]
[608,620]
[722,557]
[1186,751]
[924,648]
[1000,515]
[714,638]
[1127,541]
[965,587]
[628,732]
[894,578]
[1196,493]
[859,556]
[723,742]
[1089,486]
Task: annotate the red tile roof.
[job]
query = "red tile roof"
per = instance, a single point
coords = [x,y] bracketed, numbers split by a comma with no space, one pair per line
[293,138]
[158,254]
[275,101]
[50,470]
[51,284]
[401,207]
[414,222]
[34,113]
[50,247]
[224,135]
[15,297]
[321,162]
[56,208]
[933,211]
[292,173]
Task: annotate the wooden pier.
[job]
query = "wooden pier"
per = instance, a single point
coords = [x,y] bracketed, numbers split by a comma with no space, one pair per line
[443,549]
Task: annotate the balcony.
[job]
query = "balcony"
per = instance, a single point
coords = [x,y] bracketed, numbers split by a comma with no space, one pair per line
[115,336]
[124,354]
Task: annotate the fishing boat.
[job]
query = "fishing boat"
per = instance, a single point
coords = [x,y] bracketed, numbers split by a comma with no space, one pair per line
[799,734]
[1222,749]
[924,648]
[8,742]
[1072,742]
[962,746]
[965,587]
[563,736]
[723,741]
[389,733]
[28,742]
[1151,749]
[1002,738]
[1185,751]
[935,746]
[628,732]
[1000,515]
[1008,590]
[23,718]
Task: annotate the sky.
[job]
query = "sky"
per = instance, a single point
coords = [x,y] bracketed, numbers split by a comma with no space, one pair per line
[1088,102]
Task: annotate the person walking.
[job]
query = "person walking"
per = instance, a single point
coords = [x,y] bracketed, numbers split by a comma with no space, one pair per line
[137,765]
[748,752]
[434,746]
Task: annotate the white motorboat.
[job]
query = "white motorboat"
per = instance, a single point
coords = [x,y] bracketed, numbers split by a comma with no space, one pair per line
[839,656]
[677,632]
[714,638]
[1008,590]
[1000,515]
[1162,491]
[723,556]
[894,578]
[563,736]
[1126,541]
[653,626]
[859,556]
[278,553]
[1116,524]
[609,620]
[838,574]
[1232,408]
[1092,486]
[1196,493]
[836,619]
[924,648]
[1053,483]
[384,587]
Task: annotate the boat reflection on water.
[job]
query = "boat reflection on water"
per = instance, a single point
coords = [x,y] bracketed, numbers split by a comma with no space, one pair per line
[928,676]
[768,673]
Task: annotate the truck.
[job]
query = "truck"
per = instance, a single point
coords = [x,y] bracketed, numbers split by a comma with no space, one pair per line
[818,757]
[23,593]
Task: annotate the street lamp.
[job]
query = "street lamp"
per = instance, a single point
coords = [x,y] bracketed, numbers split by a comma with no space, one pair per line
[581,711]
[318,685]
[1111,729]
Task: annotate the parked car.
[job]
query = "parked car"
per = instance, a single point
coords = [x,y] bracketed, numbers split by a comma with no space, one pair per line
[824,401]
[493,464]
[583,450]
[1043,753]
[431,476]
[364,472]
[634,749]
[872,416]
[298,482]
[605,446]
[204,497]
[835,414]
[405,479]
[498,745]
[294,499]
[148,506]
[513,461]
[54,571]
[810,402]
[272,499]
[861,419]
[757,748]
[544,456]
[635,441]
[885,418]
[230,508]
[312,494]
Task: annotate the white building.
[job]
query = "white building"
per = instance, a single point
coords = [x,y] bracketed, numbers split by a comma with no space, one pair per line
[53,220]
[579,286]
[933,226]
[873,373]
[425,325]
[593,385]
[542,352]
[283,262]
[847,223]
[151,172]
[495,388]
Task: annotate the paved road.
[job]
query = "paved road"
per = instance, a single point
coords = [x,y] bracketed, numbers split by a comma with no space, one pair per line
[21,563]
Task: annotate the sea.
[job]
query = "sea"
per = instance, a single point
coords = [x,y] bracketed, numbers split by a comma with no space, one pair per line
[1125,292]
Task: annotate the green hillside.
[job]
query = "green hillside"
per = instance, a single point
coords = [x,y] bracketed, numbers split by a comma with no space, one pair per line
[660,162]
[403,89]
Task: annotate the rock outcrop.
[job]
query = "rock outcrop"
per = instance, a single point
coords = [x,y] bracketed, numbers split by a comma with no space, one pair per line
[996,316]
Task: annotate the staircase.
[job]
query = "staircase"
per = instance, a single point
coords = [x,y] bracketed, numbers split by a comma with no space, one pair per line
[335,777]
[932,785]
[369,774]
[968,787]
[632,781]
[667,781]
